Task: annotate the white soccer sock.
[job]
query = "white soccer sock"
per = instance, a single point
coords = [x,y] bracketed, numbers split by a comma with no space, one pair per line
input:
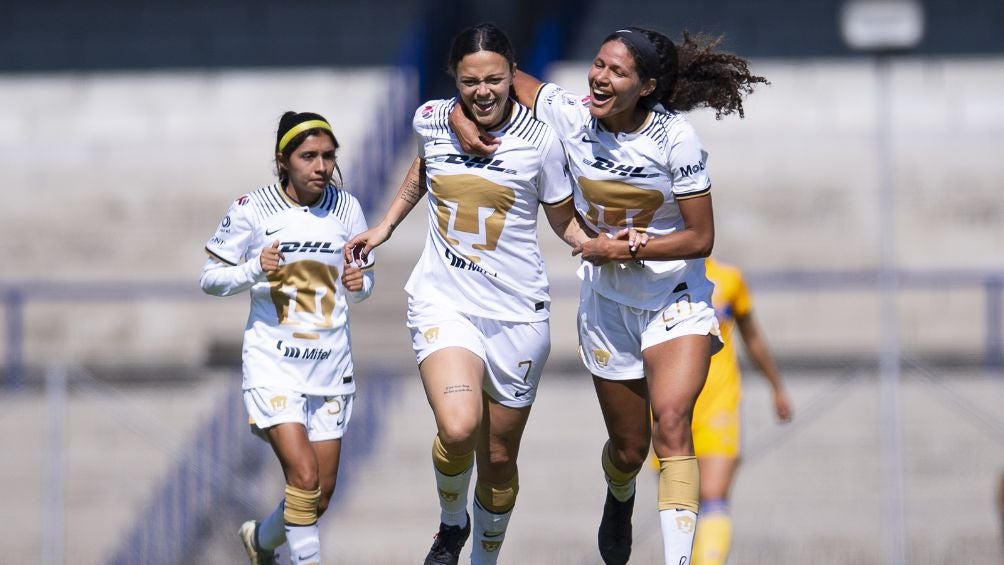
[304,544]
[272,530]
[489,532]
[677,535]
[453,496]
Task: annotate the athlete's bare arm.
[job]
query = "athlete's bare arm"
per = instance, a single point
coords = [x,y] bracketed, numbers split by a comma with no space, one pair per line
[757,348]
[412,190]
[567,224]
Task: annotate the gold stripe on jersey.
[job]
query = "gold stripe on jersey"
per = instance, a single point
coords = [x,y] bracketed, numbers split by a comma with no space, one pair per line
[306,335]
[218,258]
[690,195]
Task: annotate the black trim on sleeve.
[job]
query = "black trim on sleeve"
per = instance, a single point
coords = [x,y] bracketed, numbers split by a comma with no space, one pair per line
[220,259]
[559,202]
[690,195]
[536,97]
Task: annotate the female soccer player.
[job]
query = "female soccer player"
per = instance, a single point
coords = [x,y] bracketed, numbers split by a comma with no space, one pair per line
[478,303]
[646,326]
[716,414]
[284,242]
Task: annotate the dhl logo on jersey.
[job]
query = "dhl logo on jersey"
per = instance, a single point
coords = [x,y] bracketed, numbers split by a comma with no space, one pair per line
[473,162]
[307,247]
[633,171]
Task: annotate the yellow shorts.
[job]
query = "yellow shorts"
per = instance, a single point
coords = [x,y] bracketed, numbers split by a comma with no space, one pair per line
[716,416]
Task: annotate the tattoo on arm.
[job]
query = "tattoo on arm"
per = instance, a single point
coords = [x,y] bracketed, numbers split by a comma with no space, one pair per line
[410,190]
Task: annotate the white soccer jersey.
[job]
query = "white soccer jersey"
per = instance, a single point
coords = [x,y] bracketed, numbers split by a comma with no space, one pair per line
[630,180]
[481,255]
[297,333]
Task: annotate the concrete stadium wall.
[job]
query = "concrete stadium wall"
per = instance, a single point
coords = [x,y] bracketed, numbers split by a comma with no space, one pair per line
[116,177]
[124,176]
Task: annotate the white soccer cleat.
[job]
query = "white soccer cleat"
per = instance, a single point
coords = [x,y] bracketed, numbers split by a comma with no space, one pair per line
[257,555]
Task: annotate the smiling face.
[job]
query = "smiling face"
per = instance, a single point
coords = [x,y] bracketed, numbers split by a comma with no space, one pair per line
[483,81]
[615,88]
[309,167]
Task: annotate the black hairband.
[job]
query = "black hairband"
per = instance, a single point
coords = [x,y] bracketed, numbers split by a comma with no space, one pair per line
[648,56]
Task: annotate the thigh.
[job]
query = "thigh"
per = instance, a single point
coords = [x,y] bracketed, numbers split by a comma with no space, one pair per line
[499,439]
[676,371]
[452,380]
[290,443]
[328,454]
[625,408]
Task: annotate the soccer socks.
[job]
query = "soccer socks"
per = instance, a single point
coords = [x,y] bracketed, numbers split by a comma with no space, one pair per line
[493,504]
[714,533]
[679,491]
[620,483]
[453,477]
[272,530]
[300,517]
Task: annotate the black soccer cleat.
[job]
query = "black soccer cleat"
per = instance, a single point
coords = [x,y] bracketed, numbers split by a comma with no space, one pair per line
[614,536]
[449,541]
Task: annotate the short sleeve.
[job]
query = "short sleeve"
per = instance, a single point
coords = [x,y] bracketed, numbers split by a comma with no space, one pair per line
[688,164]
[560,109]
[431,121]
[230,242]
[742,303]
[555,184]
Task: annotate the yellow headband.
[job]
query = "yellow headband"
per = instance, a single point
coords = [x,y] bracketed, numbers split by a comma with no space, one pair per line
[300,128]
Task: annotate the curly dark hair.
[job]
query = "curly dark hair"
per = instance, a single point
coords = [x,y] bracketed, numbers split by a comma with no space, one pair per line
[694,75]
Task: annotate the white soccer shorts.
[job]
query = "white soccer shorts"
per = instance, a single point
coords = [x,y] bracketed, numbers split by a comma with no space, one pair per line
[324,417]
[612,335]
[513,352]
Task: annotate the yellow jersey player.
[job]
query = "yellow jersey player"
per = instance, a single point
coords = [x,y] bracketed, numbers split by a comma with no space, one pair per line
[716,414]
[283,243]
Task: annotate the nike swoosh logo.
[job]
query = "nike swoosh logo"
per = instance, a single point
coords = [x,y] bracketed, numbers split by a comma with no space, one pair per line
[267,232]
[518,393]
[586,139]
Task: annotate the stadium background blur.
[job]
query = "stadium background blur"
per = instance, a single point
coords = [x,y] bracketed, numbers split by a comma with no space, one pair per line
[127,128]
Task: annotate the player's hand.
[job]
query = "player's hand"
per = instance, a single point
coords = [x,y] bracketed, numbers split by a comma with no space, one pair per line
[352,278]
[357,249]
[473,139]
[782,405]
[606,247]
[270,258]
[596,250]
[636,239]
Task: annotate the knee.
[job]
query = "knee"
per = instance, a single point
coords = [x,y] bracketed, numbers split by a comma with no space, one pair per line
[629,453]
[672,428]
[303,475]
[500,464]
[459,435]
